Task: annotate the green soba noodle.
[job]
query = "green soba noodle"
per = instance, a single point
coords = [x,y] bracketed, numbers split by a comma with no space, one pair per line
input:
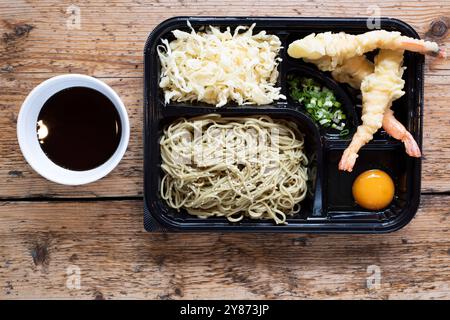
[235,167]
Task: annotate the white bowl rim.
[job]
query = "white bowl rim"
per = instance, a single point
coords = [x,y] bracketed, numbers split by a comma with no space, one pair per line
[27,119]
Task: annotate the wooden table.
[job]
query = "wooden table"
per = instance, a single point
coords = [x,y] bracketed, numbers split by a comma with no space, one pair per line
[48,231]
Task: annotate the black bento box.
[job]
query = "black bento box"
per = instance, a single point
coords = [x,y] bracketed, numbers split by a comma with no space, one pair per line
[330,208]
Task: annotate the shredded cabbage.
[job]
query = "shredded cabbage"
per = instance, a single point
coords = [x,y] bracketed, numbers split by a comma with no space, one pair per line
[217,67]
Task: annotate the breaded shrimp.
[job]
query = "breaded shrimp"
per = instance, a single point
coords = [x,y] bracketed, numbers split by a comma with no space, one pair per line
[328,50]
[378,89]
[353,71]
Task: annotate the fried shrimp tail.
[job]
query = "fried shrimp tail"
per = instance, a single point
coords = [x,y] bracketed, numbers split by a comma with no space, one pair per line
[328,50]
[399,132]
[378,89]
[424,47]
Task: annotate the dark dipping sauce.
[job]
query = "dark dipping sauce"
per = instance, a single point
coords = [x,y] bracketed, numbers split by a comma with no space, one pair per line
[79,128]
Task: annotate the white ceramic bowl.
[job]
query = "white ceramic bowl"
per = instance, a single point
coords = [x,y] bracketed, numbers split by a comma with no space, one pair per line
[27,134]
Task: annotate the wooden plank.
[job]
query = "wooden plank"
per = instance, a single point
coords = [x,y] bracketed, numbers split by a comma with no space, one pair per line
[111,36]
[436,135]
[18,180]
[118,259]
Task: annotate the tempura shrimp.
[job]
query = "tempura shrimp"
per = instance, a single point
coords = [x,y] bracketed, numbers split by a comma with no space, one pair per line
[353,71]
[328,50]
[378,89]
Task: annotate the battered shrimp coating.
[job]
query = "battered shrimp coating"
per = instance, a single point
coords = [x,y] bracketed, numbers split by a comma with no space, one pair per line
[353,71]
[378,89]
[343,54]
[328,50]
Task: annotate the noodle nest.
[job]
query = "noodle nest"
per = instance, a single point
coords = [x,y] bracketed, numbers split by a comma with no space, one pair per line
[234,167]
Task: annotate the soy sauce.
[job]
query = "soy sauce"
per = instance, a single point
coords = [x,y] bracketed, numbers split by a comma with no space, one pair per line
[79,128]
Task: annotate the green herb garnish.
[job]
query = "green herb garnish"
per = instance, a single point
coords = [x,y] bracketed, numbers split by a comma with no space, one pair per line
[320,102]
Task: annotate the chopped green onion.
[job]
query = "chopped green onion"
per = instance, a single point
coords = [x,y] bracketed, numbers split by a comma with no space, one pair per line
[320,102]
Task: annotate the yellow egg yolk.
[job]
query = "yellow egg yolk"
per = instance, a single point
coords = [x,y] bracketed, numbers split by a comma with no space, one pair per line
[373,189]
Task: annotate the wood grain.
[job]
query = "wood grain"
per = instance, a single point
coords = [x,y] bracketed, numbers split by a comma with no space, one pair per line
[39,239]
[118,259]
[111,38]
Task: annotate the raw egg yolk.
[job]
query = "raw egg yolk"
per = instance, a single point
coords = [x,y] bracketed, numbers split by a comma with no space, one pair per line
[373,189]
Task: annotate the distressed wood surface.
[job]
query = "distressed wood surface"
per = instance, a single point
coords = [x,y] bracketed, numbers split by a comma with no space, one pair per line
[40,239]
[37,44]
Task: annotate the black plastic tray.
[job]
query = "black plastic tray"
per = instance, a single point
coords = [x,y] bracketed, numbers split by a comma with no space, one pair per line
[330,209]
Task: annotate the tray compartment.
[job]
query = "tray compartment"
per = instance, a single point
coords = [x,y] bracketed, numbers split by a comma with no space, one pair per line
[339,205]
[313,150]
[327,81]
[391,158]
[181,25]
